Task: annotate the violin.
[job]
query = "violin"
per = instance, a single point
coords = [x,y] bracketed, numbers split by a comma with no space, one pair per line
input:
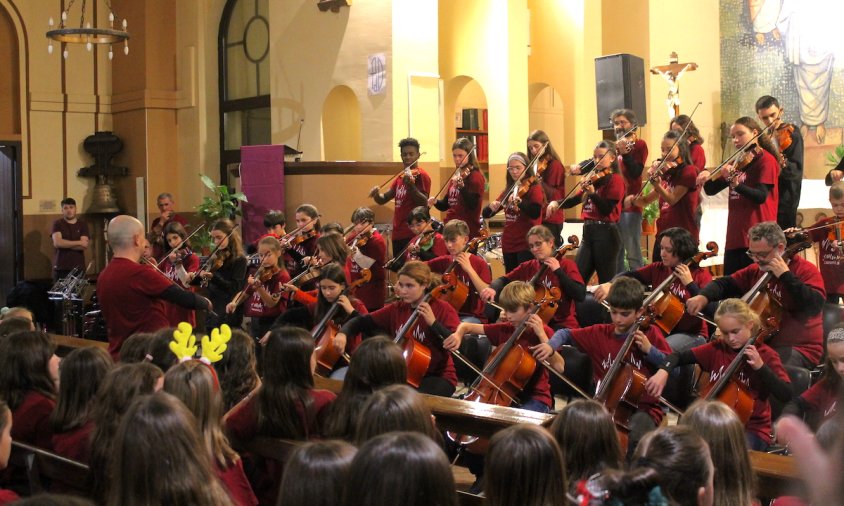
[759,297]
[360,239]
[416,355]
[668,308]
[663,165]
[303,236]
[835,234]
[594,176]
[454,291]
[783,133]
[311,271]
[521,190]
[327,328]
[552,295]
[297,236]
[731,392]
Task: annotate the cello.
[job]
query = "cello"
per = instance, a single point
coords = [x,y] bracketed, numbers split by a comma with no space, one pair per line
[416,355]
[667,307]
[731,392]
[453,290]
[551,295]
[326,329]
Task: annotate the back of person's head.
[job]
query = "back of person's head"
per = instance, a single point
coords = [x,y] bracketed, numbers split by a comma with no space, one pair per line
[237,370]
[134,349]
[836,190]
[288,379]
[682,462]
[722,430]
[585,430]
[81,373]
[636,487]
[5,429]
[159,349]
[404,468]
[394,408]
[195,384]
[315,474]
[376,363]
[16,312]
[12,324]
[54,500]
[524,465]
[159,457]
[25,366]
[626,293]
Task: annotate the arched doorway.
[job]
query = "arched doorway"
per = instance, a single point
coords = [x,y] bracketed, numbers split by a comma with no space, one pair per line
[341,138]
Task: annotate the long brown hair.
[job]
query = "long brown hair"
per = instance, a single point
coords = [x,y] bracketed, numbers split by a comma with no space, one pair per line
[334,246]
[526,455]
[541,137]
[235,243]
[82,371]
[764,140]
[286,385]
[159,457]
[194,383]
[337,274]
[586,431]
[394,408]
[681,459]
[24,366]
[237,370]
[734,482]
[316,473]
[466,145]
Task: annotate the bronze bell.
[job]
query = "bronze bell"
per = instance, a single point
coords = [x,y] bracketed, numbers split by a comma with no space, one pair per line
[103,146]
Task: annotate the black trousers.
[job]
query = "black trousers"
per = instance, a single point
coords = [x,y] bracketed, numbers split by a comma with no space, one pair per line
[599,251]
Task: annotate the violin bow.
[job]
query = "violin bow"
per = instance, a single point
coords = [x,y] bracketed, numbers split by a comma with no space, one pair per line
[207,263]
[182,243]
[399,173]
[531,163]
[739,152]
[456,170]
[286,238]
[832,223]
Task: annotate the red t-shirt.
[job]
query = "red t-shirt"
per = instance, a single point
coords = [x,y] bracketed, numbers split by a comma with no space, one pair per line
[715,357]
[474,183]
[632,184]
[404,203]
[682,213]
[537,387]
[822,398]
[31,420]
[8,497]
[602,344]
[255,307]
[177,314]
[517,224]
[831,259]
[392,316]
[698,156]
[565,315]
[743,212]
[555,176]
[474,305]
[235,482]
[801,332]
[66,259]
[128,293]
[433,248]
[374,291]
[74,444]
[612,189]
[656,272]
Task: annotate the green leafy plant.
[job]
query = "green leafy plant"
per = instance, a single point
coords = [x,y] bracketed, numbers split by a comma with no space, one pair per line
[222,204]
[835,155]
[651,211]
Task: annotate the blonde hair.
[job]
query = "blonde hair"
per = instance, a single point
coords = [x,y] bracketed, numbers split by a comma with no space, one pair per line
[516,295]
[740,310]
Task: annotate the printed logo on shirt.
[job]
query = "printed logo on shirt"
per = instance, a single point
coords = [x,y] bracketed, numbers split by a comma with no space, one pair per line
[453,194]
[740,376]
[831,409]
[419,334]
[401,194]
[607,362]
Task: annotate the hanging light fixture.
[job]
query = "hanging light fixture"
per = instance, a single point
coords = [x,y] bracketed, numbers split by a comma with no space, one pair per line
[86,34]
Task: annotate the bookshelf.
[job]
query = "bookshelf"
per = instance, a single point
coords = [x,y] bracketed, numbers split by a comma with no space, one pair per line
[474,125]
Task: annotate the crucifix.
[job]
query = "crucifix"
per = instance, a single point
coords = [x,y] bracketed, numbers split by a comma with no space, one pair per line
[672,73]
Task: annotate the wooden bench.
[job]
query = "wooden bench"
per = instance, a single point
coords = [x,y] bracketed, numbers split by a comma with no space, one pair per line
[46,471]
[66,344]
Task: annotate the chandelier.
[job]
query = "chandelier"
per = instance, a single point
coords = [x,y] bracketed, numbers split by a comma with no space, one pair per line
[86,34]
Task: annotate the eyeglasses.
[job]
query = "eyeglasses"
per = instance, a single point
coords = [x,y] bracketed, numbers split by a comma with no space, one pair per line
[515,167]
[757,255]
[535,245]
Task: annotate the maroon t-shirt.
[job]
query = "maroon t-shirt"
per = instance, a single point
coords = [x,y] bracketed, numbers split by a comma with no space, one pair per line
[715,357]
[612,189]
[517,224]
[177,314]
[555,176]
[698,156]
[822,398]
[743,212]
[656,272]
[537,388]
[235,482]
[565,316]
[457,210]
[602,345]
[31,420]
[404,203]
[129,297]
[74,444]
[801,332]
[66,259]
[8,496]
[682,213]
[831,259]
[632,184]
[374,291]
[473,306]
[254,306]
[392,316]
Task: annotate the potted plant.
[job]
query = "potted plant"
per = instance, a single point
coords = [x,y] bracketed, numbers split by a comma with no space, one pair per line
[222,204]
[649,213]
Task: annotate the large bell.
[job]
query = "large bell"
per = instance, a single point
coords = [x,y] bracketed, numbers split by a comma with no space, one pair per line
[104,200]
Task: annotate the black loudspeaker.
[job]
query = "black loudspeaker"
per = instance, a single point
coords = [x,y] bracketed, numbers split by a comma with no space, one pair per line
[620,83]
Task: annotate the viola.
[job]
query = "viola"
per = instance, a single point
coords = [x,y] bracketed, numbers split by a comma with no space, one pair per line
[327,328]
[454,291]
[731,392]
[552,295]
[416,355]
[783,133]
[668,308]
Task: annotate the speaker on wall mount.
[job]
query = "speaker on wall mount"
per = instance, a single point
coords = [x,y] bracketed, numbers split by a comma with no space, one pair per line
[620,83]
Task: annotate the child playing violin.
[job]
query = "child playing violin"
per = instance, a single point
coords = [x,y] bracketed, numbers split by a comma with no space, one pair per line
[552,178]
[177,265]
[754,189]
[368,251]
[464,198]
[426,243]
[224,274]
[632,154]
[330,249]
[602,342]
[673,181]
[762,373]
[697,156]
[789,141]
[302,243]
[262,294]
[471,270]
[522,210]
[601,196]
